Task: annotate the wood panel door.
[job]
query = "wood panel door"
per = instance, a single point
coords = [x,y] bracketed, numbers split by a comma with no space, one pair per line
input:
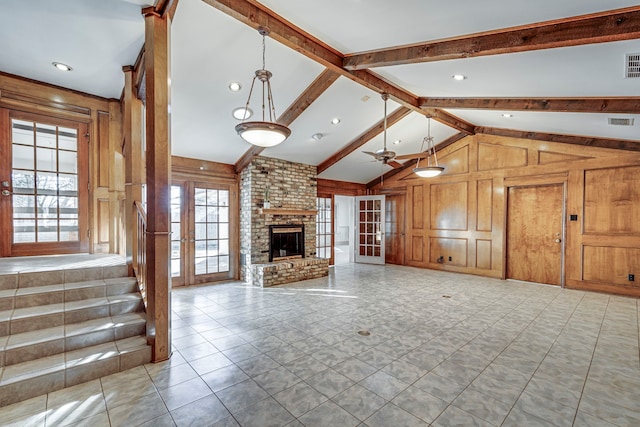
[535,233]
[394,229]
[370,238]
[44,203]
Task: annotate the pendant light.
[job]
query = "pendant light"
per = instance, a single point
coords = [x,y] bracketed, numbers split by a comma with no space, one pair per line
[265,133]
[432,169]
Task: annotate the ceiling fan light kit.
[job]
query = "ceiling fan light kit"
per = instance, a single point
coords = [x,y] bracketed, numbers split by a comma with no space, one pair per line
[432,169]
[264,133]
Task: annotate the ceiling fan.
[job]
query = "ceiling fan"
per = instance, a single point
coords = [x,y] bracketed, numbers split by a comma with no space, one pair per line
[383,155]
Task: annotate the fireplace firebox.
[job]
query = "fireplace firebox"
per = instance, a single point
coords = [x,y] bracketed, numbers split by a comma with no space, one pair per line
[286,242]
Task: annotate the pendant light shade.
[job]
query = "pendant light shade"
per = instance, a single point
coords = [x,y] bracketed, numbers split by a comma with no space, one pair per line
[431,169]
[266,132]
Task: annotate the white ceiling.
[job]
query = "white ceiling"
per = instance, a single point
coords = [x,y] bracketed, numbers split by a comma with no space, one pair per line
[210,49]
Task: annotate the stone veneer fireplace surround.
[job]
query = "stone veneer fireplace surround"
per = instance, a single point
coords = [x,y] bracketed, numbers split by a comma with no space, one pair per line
[292,191]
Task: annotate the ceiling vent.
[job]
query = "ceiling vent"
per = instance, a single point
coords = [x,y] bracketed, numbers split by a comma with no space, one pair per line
[617,121]
[633,65]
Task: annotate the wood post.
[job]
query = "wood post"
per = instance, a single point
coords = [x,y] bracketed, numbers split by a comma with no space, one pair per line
[158,160]
[133,153]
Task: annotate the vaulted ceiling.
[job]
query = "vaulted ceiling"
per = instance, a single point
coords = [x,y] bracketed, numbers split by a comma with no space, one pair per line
[558,67]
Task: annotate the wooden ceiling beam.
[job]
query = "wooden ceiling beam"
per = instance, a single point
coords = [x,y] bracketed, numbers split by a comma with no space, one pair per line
[368,135]
[311,93]
[256,15]
[613,25]
[617,144]
[614,105]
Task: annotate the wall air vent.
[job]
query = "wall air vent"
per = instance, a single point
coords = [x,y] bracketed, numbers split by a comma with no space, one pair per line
[618,121]
[632,65]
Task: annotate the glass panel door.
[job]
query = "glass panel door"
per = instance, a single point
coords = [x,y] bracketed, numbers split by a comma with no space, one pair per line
[211,237]
[324,228]
[370,229]
[177,238]
[47,188]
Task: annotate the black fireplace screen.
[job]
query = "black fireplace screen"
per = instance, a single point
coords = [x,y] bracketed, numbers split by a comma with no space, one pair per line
[286,242]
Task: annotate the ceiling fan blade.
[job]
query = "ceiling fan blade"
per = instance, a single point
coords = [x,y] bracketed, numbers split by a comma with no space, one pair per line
[394,164]
[412,156]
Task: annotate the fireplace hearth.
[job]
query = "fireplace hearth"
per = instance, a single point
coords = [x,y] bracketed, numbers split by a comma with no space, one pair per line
[286,242]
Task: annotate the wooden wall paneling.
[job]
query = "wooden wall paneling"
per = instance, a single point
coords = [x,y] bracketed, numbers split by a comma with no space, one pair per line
[533,156]
[341,188]
[195,169]
[6,161]
[484,210]
[492,157]
[103,149]
[417,207]
[103,221]
[612,201]
[417,248]
[450,251]
[611,265]
[483,254]
[449,206]
[547,157]
[574,228]
[456,162]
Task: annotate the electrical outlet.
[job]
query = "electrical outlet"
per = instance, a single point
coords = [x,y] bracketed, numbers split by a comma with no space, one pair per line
[632,277]
[450,259]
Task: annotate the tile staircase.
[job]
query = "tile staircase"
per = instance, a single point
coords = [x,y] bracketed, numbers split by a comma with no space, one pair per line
[63,327]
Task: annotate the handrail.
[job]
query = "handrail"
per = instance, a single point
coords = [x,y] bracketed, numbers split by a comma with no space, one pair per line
[140,255]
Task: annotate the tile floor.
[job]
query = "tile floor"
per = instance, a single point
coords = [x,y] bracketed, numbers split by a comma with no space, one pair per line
[443,349]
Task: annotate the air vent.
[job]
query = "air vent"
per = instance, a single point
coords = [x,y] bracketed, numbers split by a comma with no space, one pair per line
[633,65]
[617,121]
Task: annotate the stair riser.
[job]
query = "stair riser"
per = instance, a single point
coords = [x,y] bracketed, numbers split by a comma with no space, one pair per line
[67,295]
[28,324]
[27,280]
[36,351]
[72,375]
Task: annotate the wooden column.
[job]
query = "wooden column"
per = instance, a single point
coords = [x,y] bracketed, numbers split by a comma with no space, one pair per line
[134,170]
[158,160]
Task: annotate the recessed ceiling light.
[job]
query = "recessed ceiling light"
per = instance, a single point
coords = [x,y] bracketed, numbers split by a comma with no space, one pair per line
[317,136]
[242,113]
[507,115]
[235,87]
[335,121]
[62,67]
[458,77]
[396,142]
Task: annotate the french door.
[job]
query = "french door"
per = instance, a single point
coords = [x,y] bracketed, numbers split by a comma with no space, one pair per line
[370,221]
[43,185]
[203,236]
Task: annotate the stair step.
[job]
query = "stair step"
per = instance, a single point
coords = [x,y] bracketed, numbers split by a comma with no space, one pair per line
[31,345]
[29,319]
[57,293]
[33,378]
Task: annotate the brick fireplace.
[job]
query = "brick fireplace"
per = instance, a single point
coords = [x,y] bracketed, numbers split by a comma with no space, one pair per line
[290,190]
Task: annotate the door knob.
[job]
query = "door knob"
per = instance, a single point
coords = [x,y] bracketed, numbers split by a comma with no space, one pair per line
[558,240]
